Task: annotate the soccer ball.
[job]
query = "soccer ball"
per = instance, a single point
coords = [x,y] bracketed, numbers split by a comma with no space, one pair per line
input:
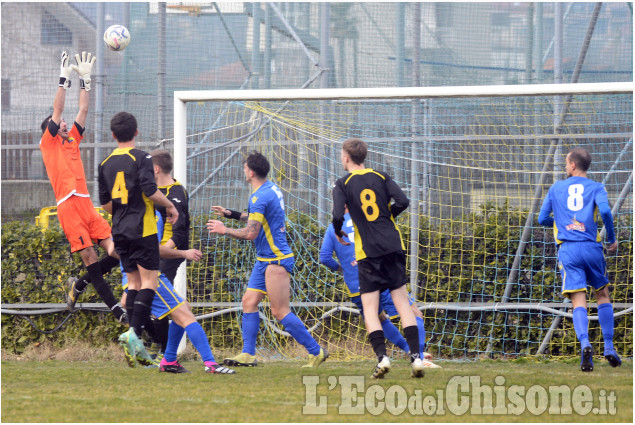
[117,37]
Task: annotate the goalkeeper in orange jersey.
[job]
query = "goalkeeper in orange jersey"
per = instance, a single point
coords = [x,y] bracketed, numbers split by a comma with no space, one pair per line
[60,151]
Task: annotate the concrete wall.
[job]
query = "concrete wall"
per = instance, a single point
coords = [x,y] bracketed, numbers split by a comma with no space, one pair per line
[21,195]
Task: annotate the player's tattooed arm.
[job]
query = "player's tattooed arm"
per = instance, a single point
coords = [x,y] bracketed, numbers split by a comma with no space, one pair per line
[250,232]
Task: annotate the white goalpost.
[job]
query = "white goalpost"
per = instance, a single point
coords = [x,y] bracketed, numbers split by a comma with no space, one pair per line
[463,154]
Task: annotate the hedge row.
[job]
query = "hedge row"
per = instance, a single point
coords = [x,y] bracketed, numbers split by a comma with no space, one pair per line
[464,260]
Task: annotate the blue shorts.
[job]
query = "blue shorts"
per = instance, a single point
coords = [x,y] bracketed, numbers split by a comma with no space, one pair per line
[582,264]
[165,301]
[385,304]
[257,278]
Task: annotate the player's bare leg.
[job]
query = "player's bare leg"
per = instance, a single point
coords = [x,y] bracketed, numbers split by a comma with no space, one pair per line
[278,284]
[411,330]
[370,302]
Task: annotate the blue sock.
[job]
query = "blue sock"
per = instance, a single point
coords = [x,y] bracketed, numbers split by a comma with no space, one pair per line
[581,325]
[251,326]
[422,335]
[175,333]
[393,335]
[606,319]
[196,334]
[298,331]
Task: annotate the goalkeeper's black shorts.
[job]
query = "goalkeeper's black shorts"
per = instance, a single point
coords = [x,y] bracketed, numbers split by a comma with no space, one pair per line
[381,273]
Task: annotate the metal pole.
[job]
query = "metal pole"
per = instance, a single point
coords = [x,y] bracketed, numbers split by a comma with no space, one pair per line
[530,45]
[401,44]
[551,43]
[268,43]
[539,68]
[323,193]
[124,64]
[539,42]
[255,46]
[414,171]
[99,97]
[557,77]
[162,71]
[618,203]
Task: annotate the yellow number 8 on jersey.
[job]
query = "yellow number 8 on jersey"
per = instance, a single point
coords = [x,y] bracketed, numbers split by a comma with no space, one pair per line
[369,202]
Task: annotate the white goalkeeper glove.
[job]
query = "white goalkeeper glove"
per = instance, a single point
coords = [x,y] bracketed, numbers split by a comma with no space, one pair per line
[83,68]
[65,72]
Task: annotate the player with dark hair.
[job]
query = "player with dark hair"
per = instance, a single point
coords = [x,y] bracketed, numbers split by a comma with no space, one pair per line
[266,226]
[60,151]
[128,191]
[175,236]
[347,263]
[168,304]
[379,249]
[575,203]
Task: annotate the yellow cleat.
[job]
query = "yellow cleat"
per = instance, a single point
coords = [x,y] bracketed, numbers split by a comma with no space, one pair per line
[243,359]
[315,361]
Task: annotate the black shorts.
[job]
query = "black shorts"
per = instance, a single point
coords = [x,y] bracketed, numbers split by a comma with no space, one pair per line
[142,252]
[381,273]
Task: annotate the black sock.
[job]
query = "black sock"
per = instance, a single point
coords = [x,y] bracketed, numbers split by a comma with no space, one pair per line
[412,338]
[149,328]
[142,308]
[105,264]
[130,298]
[378,342]
[161,327]
[103,289]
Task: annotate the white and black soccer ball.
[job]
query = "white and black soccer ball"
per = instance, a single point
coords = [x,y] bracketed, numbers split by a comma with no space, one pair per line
[117,37]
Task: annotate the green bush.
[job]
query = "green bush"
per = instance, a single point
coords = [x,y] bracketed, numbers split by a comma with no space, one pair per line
[35,267]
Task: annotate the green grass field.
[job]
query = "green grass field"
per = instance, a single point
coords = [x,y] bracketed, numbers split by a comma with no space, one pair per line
[109,391]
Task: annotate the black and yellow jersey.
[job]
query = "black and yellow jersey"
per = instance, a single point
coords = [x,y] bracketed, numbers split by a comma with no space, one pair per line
[367,194]
[179,232]
[126,177]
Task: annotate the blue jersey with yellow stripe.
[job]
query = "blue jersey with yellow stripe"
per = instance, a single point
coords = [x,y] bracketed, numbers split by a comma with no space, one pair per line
[266,206]
[574,203]
[345,254]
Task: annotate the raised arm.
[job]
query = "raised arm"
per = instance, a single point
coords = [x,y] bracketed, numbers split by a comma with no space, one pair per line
[60,95]
[84,100]
[83,68]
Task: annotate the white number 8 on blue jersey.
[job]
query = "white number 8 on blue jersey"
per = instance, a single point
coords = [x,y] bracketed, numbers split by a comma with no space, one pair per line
[575,202]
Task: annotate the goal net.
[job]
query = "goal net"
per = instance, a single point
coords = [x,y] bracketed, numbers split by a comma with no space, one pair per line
[476,163]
